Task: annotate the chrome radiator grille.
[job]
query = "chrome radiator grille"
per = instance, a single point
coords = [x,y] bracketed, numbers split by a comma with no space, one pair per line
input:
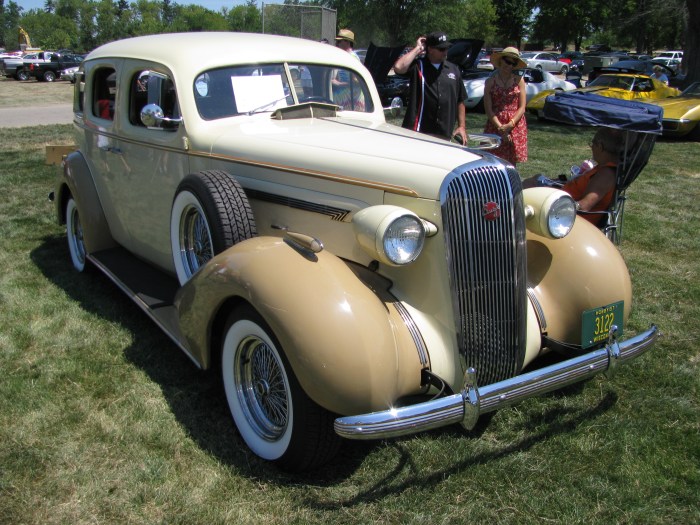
[484,227]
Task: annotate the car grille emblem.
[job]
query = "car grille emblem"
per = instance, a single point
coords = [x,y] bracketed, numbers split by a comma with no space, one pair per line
[491,211]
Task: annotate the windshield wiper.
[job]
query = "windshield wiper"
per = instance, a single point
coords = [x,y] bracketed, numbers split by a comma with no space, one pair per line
[267,105]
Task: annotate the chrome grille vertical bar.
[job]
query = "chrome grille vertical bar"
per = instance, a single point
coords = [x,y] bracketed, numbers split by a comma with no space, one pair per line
[484,227]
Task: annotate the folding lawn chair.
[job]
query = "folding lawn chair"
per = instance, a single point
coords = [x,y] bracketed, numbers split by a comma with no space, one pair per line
[640,123]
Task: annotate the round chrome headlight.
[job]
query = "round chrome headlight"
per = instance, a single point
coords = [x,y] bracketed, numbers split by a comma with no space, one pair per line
[403,239]
[390,234]
[561,216]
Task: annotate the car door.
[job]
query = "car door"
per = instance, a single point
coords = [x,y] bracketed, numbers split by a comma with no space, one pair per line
[148,162]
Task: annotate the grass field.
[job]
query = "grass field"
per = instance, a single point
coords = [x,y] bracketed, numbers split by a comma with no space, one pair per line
[16,94]
[104,420]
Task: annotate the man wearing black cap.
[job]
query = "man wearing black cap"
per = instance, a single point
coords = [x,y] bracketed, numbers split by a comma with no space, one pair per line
[436,99]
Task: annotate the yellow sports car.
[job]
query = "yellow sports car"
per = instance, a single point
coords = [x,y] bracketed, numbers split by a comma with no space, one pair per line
[682,113]
[620,85]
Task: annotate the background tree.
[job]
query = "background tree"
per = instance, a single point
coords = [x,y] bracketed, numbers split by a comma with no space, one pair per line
[245,18]
[514,19]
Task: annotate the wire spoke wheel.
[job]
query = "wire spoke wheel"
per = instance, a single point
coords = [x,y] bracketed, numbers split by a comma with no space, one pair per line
[261,388]
[74,233]
[195,239]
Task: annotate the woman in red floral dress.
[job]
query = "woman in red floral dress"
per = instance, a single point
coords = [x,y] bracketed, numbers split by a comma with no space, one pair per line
[504,102]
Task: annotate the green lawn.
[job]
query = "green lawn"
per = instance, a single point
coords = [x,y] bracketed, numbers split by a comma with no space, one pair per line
[104,420]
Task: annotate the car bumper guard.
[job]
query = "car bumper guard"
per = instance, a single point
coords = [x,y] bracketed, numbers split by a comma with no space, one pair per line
[466,406]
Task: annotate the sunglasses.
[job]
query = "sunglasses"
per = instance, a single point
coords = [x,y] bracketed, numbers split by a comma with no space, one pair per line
[510,62]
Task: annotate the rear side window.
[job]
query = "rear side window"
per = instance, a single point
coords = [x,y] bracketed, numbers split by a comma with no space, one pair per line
[104,93]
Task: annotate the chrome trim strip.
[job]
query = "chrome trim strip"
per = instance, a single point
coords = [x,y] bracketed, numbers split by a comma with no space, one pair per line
[389,188]
[539,312]
[413,330]
[466,406]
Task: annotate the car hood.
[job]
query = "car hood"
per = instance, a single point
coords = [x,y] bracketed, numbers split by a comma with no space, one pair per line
[377,154]
[676,107]
[380,60]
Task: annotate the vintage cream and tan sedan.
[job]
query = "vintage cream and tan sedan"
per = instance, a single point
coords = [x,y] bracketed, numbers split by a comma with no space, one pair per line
[346,277]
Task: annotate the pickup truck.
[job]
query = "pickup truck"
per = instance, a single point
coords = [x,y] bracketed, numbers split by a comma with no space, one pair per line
[51,70]
[18,67]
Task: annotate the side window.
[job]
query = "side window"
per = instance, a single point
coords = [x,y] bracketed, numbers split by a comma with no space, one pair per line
[104,93]
[151,87]
[349,91]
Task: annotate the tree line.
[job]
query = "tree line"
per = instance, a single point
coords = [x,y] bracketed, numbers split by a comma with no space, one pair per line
[636,25]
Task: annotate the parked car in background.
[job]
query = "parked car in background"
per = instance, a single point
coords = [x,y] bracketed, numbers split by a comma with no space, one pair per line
[670,59]
[536,81]
[645,67]
[572,58]
[18,67]
[69,74]
[621,85]
[51,70]
[347,278]
[544,61]
[682,113]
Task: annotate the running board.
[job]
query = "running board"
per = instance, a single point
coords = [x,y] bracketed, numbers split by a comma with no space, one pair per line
[151,289]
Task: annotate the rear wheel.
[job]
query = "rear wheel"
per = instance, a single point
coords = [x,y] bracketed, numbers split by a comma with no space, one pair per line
[22,75]
[210,213]
[274,416]
[74,234]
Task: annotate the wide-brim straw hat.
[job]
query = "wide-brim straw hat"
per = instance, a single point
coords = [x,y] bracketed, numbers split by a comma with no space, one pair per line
[509,52]
[346,34]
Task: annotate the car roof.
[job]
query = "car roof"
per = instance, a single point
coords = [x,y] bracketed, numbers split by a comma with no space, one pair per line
[207,50]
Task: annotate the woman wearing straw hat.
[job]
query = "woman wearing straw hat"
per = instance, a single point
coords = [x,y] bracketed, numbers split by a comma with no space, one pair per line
[504,102]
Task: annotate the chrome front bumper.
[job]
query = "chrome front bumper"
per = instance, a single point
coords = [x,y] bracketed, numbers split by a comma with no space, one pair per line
[466,406]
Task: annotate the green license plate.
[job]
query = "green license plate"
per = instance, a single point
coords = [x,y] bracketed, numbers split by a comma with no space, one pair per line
[597,322]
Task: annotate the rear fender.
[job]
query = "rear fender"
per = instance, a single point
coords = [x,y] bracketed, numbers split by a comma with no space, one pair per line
[567,276]
[349,348]
[76,181]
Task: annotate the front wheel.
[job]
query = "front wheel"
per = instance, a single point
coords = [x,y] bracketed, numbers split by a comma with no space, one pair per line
[564,70]
[49,76]
[74,234]
[274,416]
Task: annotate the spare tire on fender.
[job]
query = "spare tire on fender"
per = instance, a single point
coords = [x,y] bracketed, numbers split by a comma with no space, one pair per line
[210,213]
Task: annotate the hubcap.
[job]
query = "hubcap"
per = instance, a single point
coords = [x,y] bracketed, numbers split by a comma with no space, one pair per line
[261,388]
[195,240]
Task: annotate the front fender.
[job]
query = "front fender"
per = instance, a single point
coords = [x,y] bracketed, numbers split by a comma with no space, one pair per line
[349,349]
[583,270]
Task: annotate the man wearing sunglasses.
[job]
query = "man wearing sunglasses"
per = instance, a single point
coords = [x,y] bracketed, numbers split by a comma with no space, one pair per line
[437,93]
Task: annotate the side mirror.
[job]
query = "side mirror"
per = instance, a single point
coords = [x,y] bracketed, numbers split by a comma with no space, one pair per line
[395,107]
[152,116]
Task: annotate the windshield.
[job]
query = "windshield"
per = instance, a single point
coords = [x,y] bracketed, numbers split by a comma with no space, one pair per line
[693,90]
[258,88]
[613,81]
[527,55]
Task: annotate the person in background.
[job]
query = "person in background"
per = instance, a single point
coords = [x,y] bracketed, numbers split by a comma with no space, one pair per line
[346,93]
[346,41]
[593,190]
[437,94]
[573,75]
[504,104]
[659,74]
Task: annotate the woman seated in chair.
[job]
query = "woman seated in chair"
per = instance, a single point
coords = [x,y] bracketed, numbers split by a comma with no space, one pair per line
[593,190]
